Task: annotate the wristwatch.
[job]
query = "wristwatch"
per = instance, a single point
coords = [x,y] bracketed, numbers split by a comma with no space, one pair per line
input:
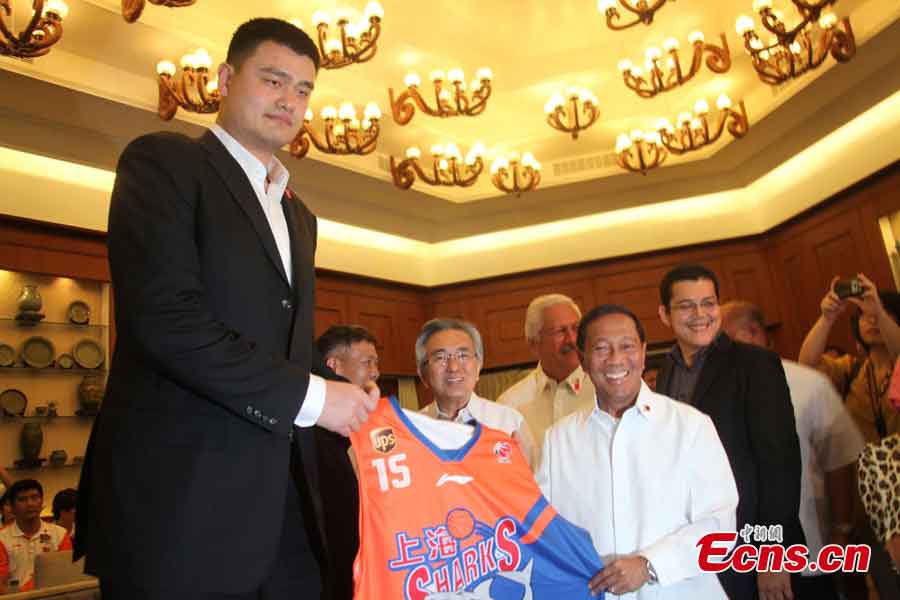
[651,572]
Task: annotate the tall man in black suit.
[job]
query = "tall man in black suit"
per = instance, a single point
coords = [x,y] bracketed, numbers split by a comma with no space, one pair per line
[744,390]
[185,491]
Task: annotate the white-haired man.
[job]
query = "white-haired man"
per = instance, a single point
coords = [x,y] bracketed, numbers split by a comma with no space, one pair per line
[558,386]
[449,355]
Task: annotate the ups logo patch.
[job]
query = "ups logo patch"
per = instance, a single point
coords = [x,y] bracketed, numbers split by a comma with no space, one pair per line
[383,440]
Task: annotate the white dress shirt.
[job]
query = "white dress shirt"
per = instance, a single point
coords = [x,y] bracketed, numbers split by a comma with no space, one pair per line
[651,483]
[829,440]
[543,401]
[493,415]
[269,182]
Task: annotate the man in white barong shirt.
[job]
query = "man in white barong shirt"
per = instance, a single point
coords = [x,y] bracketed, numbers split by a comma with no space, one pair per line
[647,476]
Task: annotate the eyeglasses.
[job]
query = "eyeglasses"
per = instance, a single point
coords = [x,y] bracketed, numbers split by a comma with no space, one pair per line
[705,305]
[442,359]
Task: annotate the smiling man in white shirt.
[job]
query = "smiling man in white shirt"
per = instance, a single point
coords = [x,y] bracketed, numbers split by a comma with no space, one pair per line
[449,355]
[645,475]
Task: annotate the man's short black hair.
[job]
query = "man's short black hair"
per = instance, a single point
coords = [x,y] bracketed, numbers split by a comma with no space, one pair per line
[24,485]
[254,32]
[891,303]
[687,272]
[340,337]
[602,311]
[5,498]
[65,499]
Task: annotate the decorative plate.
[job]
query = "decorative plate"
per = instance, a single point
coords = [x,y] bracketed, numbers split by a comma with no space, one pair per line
[7,355]
[88,354]
[65,361]
[79,312]
[13,402]
[38,352]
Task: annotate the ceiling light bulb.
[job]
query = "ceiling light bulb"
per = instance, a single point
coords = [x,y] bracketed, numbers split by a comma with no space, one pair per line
[499,163]
[828,20]
[320,17]
[437,150]
[636,135]
[573,92]
[165,67]
[346,112]
[664,125]
[333,46]
[653,53]
[212,87]
[412,80]
[202,59]
[444,95]
[795,47]
[452,151]
[475,85]
[353,124]
[605,5]
[436,75]
[744,25]
[670,64]
[342,15]
[443,165]
[478,149]
[413,153]
[528,160]
[637,72]
[329,113]
[696,123]
[56,7]
[556,100]
[623,143]
[723,102]
[374,9]
[353,31]
[367,124]
[701,107]
[188,61]
[760,5]
[339,129]
[653,137]
[455,76]
[484,74]
[756,43]
[308,117]
[684,118]
[586,96]
[372,112]
[696,37]
[625,65]
[764,55]
[670,44]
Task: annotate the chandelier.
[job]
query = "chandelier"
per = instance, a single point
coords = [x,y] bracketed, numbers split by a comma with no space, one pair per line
[344,133]
[792,52]
[574,113]
[132,9]
[450,98]
[664,74]
[354,42]
[193,90]
[514,175]
[641,151]
[642,10]
[44,29]
[448,167]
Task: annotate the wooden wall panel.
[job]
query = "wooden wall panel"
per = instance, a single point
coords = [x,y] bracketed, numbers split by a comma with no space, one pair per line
[639,291]
[331,309]
[748,277]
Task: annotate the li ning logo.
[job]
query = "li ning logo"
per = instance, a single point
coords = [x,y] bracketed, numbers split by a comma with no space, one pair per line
[383,440]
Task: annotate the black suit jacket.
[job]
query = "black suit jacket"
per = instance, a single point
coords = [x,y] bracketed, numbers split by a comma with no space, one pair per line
[187,469]
[744,390]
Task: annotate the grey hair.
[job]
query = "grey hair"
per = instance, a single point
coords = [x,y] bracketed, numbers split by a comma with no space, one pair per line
[534,316]
[446,324]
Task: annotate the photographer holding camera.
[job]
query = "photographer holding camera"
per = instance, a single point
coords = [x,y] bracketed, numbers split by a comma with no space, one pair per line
[863,381]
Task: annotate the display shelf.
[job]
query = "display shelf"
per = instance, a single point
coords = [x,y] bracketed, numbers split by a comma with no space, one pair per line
[46,467]
[23,370]
[6,321]
[12,419]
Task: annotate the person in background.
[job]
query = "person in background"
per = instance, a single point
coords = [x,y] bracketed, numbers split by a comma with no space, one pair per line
[449,355]
[9,517]
[64,503]
[744,390]
[349,351]
[650,375]
[27,537]
[558,386]
[645,475]
[830,444]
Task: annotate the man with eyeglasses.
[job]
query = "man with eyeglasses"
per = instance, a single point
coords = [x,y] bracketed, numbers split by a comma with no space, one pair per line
[558,386]
[744,390]
[449,355]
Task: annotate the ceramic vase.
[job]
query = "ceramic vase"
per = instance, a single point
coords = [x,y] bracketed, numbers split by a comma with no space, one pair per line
[31,440]
[30,299]
[90,393]
[58,458]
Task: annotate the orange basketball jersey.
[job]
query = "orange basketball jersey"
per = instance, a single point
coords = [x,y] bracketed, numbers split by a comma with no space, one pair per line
[466,523]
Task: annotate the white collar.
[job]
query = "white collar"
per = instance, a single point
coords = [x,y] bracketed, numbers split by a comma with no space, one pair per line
[255,170]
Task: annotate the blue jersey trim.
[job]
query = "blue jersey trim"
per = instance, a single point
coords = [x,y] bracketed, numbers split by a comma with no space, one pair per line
[444,455]
[534,513]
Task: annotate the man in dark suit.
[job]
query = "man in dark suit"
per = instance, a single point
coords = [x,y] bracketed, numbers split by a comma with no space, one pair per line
[744,390]
[185,489]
